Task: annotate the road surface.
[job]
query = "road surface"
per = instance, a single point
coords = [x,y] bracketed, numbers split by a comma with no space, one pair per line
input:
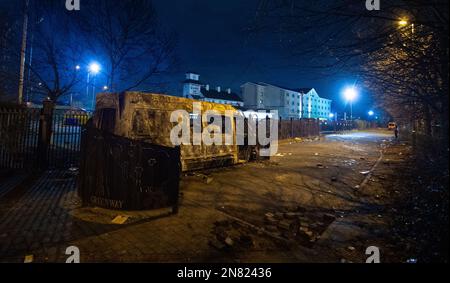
[316,201]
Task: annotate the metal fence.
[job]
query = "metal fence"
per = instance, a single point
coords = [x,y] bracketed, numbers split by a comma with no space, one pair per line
[19,137]
[338,126]
[288,129]
[29,139]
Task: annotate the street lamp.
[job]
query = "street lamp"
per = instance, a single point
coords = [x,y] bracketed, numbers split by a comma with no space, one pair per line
[403,22]
[350,95]
[93,68]
[371,113]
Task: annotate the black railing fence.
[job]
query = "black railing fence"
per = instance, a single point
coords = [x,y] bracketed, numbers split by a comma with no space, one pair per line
[31,138]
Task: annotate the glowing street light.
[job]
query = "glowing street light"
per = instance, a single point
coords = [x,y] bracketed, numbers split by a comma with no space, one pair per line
[350,95]
[371,113]
[94,68]
[105,87]
[331,116]
[403,22]
[77,67]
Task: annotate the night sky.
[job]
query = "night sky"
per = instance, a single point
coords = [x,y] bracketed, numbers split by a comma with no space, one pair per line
[213,42]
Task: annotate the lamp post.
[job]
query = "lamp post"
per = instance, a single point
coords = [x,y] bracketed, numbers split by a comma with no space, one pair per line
[94,68]
[23,52]
[350,95]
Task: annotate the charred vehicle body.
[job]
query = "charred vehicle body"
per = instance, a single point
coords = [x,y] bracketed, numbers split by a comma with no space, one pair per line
[147,117]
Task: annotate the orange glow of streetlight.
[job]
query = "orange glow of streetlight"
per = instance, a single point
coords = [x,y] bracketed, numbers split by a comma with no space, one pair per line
[403,22]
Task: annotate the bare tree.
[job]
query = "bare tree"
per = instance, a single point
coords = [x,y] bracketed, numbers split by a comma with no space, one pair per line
[127,35]
[407,76]
[56,52]
[399,52]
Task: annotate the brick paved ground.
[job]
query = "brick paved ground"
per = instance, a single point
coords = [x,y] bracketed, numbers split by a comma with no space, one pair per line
[318,177]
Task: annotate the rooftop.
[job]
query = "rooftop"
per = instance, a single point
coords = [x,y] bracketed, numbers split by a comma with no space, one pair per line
[223,95]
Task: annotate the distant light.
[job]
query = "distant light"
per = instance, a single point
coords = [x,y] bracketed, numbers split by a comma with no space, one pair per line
[403,22]
[371,113]
[94,68]
[105,87]
[77,67]
[350,94]
[331,115]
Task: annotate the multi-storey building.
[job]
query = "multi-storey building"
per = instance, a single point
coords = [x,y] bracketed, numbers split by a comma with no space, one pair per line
[193,88]
[290,103]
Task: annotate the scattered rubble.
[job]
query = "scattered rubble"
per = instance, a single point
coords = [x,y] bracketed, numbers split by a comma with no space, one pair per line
[297,224]
[229,241]
[230,235]
[205,178]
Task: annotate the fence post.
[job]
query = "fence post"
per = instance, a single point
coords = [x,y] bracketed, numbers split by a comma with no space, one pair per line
[45,128]
[292,128]
[280,130]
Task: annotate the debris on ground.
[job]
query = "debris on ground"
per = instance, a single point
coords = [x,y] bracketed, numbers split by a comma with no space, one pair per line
[230,235]
[219,245]
[120,219]
[298,224]
[229,241]
[28,259]
[205,178]
[365,172]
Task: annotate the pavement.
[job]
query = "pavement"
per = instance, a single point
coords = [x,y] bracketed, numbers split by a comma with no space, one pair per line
[316,201]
